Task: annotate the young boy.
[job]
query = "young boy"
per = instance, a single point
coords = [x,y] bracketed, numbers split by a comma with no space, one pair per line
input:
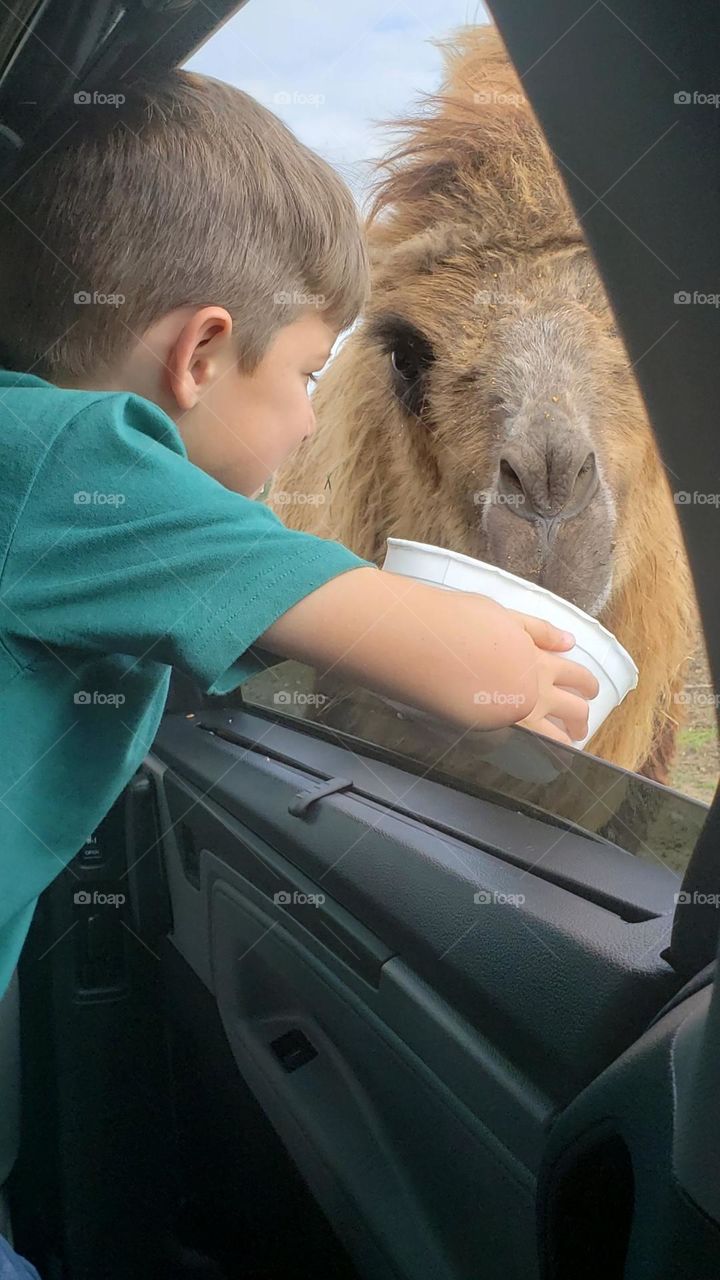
[174,271]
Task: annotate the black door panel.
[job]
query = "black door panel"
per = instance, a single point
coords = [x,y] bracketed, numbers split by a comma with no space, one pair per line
[629,1187]
[387,1151]
[468,1062]
[559,984]
[412,1046]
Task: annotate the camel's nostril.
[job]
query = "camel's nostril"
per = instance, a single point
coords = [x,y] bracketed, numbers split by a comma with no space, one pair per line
[587,467]
[558,486]
[586,482]
[509,475]
[512,487]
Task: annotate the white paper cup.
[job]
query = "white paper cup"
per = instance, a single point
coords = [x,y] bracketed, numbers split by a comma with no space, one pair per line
[596,648]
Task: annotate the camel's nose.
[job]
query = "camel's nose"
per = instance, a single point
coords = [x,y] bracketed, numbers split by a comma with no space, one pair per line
[555,481]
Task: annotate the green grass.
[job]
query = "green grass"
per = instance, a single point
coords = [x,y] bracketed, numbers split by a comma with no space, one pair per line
[696,738]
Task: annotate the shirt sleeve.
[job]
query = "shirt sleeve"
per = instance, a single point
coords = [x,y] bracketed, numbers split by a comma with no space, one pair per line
[125,546]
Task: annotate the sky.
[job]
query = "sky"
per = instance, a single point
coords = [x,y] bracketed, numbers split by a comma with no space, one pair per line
[330,75]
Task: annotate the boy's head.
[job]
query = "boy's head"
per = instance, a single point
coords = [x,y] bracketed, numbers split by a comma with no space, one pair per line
[184,245]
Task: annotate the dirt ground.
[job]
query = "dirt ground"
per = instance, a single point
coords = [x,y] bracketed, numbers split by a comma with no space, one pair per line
[697,764]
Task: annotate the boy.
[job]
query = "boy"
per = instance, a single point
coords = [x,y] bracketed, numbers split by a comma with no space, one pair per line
[174,271]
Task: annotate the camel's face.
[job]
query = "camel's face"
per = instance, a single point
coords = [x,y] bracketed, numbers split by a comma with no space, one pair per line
[520,411]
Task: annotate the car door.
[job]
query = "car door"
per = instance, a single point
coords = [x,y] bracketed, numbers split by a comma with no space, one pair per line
[363,1009]
[519,1084]
[457,1009]
[417,981]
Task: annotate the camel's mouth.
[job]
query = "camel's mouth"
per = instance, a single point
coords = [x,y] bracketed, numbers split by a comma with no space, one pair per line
[572,557]
[581,597]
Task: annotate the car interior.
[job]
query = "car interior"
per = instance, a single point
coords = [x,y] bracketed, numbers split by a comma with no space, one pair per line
[312,1004]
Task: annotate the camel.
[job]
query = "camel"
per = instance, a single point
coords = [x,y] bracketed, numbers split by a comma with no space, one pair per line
[485,401]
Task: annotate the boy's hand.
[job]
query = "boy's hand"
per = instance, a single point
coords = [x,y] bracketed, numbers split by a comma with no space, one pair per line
[557,678]
[542,633]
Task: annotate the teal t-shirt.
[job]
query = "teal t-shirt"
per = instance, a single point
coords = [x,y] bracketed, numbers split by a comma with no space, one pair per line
[119,559]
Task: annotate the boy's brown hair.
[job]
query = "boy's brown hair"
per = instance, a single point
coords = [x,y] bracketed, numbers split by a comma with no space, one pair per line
[189,192]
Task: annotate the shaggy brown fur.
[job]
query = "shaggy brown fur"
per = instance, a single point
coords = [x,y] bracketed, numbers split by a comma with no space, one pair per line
[507,424]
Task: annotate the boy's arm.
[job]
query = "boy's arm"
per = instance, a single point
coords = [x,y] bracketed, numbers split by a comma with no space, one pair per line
[457,655]
[178,570]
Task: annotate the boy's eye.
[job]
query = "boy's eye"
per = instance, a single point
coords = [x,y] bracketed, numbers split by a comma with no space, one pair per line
[311,377]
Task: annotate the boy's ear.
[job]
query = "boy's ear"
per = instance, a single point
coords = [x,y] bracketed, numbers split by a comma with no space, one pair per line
[198,354]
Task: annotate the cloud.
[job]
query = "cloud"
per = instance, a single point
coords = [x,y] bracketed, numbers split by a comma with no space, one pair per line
[331,80]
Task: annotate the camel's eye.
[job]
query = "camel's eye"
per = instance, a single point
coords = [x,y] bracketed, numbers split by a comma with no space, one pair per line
[410,356]
[404,363]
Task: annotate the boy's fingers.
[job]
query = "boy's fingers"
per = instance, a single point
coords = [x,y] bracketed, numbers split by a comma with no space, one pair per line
[543,633]
[574,676]
[573,711]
